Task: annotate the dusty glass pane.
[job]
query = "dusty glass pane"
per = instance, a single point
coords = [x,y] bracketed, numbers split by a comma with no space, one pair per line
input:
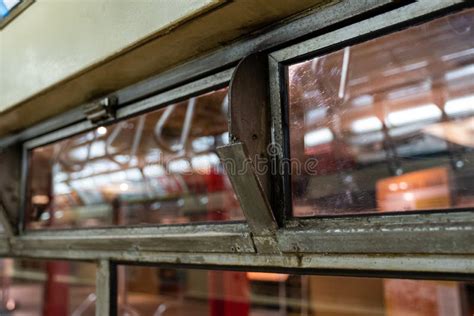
[153,291]
[387,125]
[34,287]
[157,168]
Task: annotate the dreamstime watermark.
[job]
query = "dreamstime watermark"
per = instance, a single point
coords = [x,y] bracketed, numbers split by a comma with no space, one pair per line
[273,162]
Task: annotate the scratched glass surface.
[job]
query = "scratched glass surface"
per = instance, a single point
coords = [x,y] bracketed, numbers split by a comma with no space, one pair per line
[182,292]
[388,124]
[38,287]
[156,168]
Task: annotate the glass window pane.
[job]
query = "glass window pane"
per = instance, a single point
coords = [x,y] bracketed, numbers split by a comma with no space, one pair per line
[160,167]
[386,125]
[6,6]
[33,287]
[153,291]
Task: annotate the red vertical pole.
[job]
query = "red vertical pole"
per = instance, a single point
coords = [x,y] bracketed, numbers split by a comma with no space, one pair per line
[56,292]
[228,290]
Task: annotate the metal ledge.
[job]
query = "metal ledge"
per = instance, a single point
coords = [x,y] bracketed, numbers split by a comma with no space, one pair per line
[440,266]
[204,238]
[429,233]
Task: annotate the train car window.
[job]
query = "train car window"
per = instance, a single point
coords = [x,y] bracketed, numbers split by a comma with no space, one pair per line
[35,287]
[7,6]
[389,123]
[10,9]
[154,291]
[157,168]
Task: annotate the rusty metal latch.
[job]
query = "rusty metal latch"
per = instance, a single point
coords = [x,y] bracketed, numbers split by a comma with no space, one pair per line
[102,110]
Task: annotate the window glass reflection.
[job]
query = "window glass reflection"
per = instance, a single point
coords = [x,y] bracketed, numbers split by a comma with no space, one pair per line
[160,167]
[389,123]
[153,291]
[33,287]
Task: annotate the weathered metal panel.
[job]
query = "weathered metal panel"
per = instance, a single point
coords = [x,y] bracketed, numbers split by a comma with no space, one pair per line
[192,238]
[365,27]
[429,233]
[10,175]
[359,264]
[249,114]
[106,288]
[4,245]
[248,188]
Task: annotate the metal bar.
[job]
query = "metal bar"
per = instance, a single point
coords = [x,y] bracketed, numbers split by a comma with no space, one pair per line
[49,125]
[195,87]
[203,238]
[4,246]
[248,189]
[281,184]
[374,24]
[441,233]
[58,135]
[105,288]
[10,185]
[5,222]
[23,189]
[430,233]
[358,264]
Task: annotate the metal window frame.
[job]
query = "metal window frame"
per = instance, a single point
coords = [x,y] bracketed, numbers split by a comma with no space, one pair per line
[149,104]
[434,245]
[415,233]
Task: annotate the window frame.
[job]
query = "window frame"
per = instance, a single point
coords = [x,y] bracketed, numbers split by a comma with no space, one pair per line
[231,236]
[430,244]
[421,232]
[154,102]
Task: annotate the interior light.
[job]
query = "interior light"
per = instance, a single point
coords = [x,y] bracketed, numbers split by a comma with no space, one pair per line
[225,138]
[268,277]
[45,216]
[40,199]
[318,137]
[408,196]
[203,143]
[154,171]
[204,163]
[101,130]
[459,73]
[363,100]
[366,125]
[61,188]
[393,186]
[463,105]
[11,304]
[315,115]
[414,114]
[123,187]
[456,55]
[179,166]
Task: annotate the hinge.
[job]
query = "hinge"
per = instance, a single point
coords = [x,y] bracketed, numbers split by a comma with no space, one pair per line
[102,110]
